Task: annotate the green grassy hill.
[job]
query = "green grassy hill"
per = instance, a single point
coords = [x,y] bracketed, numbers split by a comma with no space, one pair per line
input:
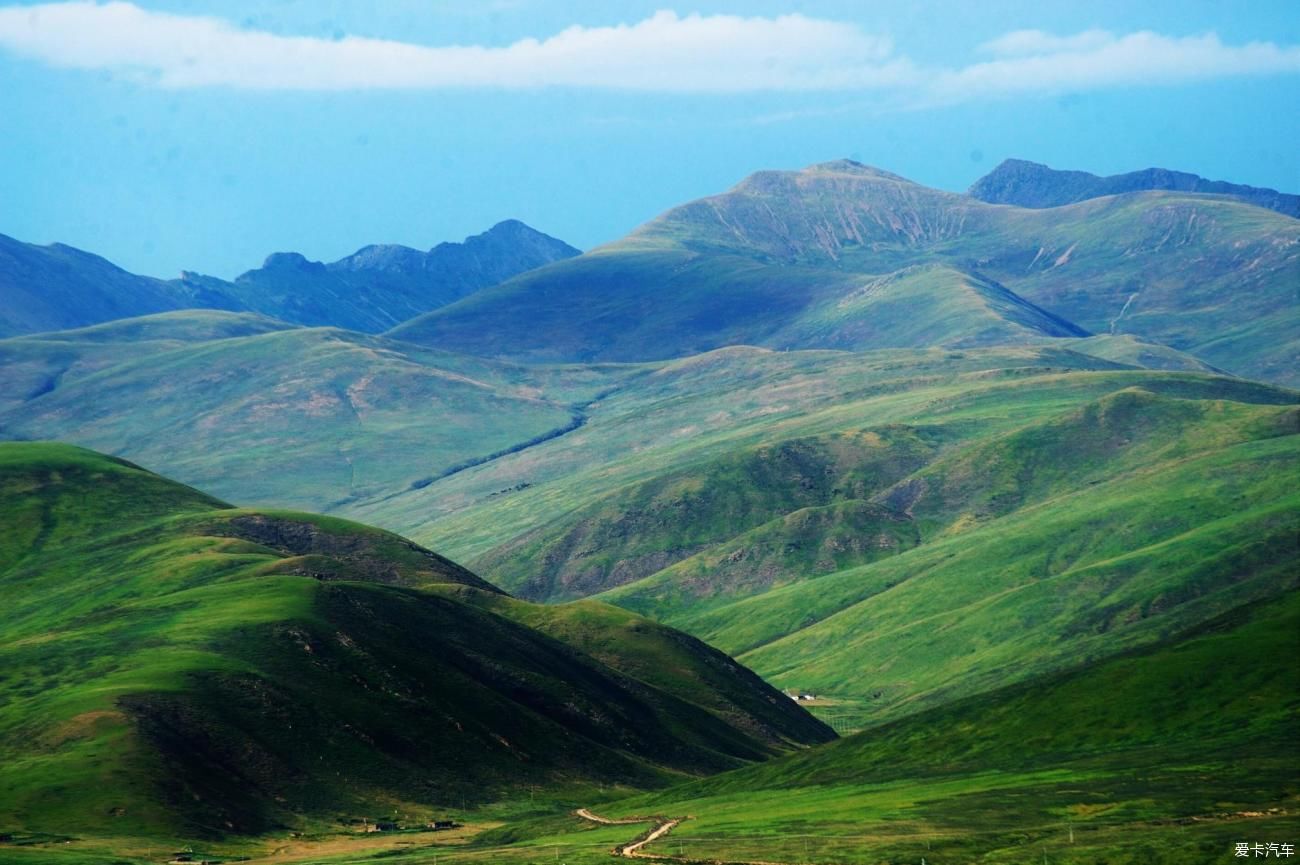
[267,413]
[171,666]
[1172,754]
[840,255]
[317,418]
[640,529]
[875,420]
[1128,349]
[679,415]
[897,529]
[636,304]
[989,530]
[37,365]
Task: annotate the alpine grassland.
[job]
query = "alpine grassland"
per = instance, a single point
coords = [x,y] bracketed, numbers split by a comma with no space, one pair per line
[175,668]
[218,399]
[993,535]
[831,519]
[1172,754]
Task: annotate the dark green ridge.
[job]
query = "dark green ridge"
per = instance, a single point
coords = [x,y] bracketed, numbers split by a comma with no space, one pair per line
[171,666]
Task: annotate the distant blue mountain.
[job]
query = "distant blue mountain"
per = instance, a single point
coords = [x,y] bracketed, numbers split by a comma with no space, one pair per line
[56,287]
[1031,184]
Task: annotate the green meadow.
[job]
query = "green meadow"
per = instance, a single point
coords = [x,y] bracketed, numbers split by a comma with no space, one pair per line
[1014,493]
[175,668]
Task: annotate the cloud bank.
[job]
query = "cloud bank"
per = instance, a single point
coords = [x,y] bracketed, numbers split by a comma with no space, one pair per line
[666,52]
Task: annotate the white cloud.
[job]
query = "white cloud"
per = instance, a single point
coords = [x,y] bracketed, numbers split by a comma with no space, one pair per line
[1018,43]
[1035,62]
[666,52]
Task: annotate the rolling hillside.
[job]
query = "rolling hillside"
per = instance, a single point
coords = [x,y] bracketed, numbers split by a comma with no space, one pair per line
[840,255]
[968,538]
[172,666]
[258,410]
[1173,754]
[776,504]
[324,419]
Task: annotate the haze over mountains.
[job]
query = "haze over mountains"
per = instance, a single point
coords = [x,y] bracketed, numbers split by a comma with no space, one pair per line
[57,287]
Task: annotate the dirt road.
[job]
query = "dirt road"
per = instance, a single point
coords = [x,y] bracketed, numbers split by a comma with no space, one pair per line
[632,849]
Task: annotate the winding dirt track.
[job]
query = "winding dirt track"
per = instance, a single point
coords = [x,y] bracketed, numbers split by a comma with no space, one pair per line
[632,849]
[663,825]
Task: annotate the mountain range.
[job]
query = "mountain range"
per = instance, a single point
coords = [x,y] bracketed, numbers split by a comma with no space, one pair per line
[1010,487]
[57,287]
[840,255]
[1031,184]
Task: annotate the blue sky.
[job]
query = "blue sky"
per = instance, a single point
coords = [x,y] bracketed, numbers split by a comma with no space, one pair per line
[170,134]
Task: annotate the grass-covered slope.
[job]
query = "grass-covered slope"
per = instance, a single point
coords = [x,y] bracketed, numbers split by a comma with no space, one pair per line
[665,658]
[37,365]
[1077,577]
[634,304]
[844,256]
[1125,348]
[1172,754]
[989,529]
[170,665]
[676,416]
[645,527]
[259,411]
[1105,526]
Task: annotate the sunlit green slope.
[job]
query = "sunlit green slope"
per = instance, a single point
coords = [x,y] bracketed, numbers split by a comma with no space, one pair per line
[984,531]
[256,410]
[1173,754]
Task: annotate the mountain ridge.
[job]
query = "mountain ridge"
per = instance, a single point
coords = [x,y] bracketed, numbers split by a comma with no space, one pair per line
[57,287]
[175,666]
[770,261]
[382,285]
[1035,185]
